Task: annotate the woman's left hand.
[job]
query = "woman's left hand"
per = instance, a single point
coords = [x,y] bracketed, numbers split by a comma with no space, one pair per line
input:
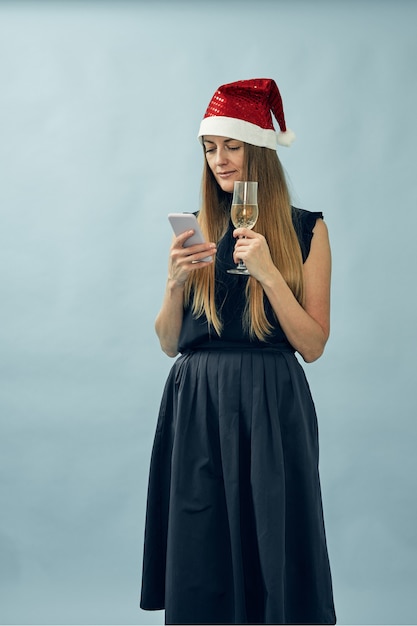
[253,249]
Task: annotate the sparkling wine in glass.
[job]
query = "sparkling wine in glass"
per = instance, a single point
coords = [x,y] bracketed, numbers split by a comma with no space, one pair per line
[244,213]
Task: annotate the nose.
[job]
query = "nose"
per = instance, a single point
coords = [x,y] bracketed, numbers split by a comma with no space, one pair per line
[221,156]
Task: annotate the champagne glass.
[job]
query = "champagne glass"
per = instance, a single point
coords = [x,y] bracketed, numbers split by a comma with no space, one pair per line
[244,213]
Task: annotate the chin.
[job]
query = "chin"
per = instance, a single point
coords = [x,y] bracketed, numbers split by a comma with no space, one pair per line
[226,185]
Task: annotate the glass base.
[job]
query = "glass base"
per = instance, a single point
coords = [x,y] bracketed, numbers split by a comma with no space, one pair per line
[237,270]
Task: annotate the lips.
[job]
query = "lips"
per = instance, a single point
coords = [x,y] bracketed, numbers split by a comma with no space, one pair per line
[225,174]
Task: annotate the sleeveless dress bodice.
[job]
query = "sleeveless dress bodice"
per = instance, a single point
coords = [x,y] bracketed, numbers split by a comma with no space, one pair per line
[231,298]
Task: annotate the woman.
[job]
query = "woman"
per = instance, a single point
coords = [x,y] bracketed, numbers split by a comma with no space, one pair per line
[234,529]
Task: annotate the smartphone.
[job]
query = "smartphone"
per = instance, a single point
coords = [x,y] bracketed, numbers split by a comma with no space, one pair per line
[181,222]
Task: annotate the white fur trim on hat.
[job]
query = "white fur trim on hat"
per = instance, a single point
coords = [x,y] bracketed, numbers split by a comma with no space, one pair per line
[234,128]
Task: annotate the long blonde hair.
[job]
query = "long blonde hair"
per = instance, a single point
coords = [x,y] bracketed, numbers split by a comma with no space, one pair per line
[274,222]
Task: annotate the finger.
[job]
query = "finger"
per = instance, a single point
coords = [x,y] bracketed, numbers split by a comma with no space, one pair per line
[200,247]
[206,255]
[181,239]
[243,243]
[244,232]
[192,254]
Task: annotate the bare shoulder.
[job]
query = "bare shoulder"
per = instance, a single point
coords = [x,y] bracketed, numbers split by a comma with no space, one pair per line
[320,244]
[320,229]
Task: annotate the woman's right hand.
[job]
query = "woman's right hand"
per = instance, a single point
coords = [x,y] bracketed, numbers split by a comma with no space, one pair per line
[183,261]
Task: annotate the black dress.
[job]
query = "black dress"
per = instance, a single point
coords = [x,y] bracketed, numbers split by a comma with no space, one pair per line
[234,526]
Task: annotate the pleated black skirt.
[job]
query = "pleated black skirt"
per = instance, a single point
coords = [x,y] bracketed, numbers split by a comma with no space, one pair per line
[234,525]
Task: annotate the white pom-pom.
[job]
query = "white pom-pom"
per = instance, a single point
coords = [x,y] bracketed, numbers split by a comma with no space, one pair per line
[285,139]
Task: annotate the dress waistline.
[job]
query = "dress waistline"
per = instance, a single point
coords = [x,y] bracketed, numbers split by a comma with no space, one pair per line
[224,346]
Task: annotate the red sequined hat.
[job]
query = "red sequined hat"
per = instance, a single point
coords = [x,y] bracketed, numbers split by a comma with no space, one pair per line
[242,110]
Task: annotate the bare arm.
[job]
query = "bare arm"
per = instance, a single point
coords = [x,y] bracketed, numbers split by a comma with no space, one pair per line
[307,329]
[182,261]
[169,319]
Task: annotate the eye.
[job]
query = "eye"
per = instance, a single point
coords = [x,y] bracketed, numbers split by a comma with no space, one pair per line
[234,147]
[208,150]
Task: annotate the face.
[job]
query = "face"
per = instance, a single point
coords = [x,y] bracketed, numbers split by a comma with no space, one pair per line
[225,158]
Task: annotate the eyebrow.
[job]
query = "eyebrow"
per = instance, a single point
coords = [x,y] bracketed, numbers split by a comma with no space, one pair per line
[225,141]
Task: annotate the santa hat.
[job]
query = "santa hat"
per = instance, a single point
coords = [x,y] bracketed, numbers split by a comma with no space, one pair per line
[242,110]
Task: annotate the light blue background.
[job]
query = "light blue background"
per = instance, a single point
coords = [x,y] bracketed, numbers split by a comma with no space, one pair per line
[100,106]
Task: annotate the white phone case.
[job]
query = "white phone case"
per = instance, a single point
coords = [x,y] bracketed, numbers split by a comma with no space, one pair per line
[181,222]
